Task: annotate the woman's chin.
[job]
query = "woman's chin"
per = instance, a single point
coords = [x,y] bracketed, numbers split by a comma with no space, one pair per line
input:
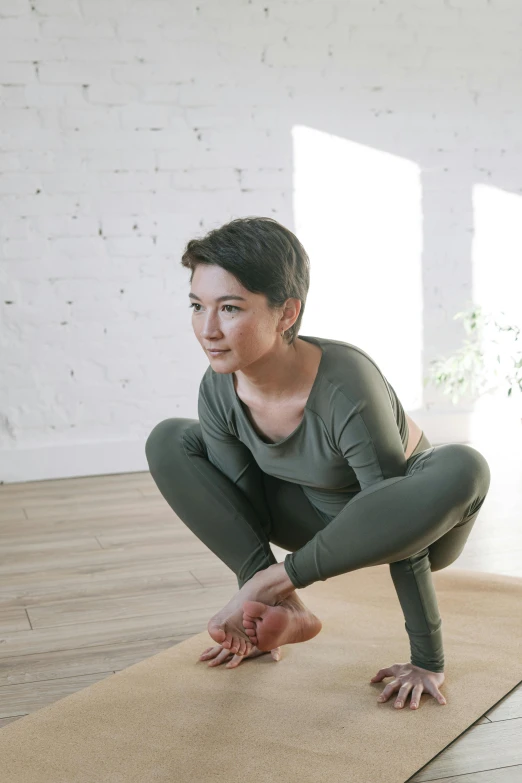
[220,363]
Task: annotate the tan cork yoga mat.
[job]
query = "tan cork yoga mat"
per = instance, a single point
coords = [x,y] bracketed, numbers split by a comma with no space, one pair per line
[310,717]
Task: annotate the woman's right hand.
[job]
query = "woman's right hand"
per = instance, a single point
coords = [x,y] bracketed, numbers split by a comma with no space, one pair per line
[219,654]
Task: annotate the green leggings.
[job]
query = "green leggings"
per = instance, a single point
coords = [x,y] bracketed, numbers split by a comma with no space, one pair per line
[416,522]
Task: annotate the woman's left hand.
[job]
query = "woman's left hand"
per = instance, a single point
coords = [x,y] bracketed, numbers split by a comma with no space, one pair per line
[408,677]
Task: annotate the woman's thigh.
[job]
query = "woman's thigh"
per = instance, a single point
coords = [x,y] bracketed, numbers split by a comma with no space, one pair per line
[294,519]
[447,549]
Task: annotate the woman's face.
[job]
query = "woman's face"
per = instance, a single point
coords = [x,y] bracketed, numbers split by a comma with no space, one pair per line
[241,324]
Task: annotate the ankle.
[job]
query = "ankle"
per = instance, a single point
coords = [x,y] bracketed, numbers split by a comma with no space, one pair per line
[292,599]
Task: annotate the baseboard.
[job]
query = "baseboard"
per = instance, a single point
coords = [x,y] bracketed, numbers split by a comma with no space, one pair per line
[70,460]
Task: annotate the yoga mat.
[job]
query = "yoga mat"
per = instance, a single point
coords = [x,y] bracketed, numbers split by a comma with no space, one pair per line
[311,716]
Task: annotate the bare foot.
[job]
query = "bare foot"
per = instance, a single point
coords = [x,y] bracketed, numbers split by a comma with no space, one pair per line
[289,622]
[226,627]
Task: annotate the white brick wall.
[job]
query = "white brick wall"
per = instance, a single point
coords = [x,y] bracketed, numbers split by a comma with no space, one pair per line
[130,126]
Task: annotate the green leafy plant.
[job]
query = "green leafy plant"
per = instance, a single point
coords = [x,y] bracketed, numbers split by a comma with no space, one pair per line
[491,359]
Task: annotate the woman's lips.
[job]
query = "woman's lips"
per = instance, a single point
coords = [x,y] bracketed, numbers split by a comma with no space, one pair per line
[216,353]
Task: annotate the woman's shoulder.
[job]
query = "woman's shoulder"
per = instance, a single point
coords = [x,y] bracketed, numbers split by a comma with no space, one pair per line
[346,363]
[353,384]
[351,380]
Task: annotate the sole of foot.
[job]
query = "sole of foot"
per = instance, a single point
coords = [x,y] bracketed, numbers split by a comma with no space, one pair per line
[290,622]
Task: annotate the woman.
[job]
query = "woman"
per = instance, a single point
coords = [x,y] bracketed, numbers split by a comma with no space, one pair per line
[302,442]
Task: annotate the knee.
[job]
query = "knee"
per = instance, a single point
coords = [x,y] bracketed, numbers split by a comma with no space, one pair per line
[468,469]
[470,465]
[165,440]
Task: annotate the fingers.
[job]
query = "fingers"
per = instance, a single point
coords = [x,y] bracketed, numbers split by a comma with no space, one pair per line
[403,694]
[432,688]
[389,689]
[415,696]
[382,673]
[236,660]
[218,655]
[405,688]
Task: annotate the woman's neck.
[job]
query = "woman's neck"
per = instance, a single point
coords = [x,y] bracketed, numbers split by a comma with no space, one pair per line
[287,375]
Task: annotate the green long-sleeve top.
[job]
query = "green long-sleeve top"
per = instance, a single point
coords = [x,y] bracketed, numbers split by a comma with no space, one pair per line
[353,434]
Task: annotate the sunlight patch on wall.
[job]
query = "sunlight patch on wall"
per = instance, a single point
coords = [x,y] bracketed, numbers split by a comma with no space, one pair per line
[497,250]
[358,213]
[497,287]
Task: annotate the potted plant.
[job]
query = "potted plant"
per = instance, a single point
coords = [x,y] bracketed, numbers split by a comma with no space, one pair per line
[490,360]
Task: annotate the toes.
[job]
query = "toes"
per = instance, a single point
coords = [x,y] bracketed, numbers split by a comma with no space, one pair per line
[218,634]
[228,641]
[252,635]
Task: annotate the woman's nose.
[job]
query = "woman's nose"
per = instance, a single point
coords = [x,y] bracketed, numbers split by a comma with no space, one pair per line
[210,327]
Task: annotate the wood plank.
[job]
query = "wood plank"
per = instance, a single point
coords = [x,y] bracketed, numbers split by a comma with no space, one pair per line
[93,610]
[137,536]
[149,492]
[110,518]
[503,775]
[190,615]
[83,660]
[62,499]
[12,514]
[25,698]
[509,707]
[101,578]
[483,747]
[48,510]
[96,557]
[64,539]
[62,543]
[13,618]
[80,482]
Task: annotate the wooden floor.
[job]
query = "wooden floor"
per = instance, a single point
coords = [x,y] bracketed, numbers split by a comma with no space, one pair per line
[97,574]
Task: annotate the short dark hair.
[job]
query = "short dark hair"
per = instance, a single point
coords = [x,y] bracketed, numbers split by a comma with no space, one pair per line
[263,255]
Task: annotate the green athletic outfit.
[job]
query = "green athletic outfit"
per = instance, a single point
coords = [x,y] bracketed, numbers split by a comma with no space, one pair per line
[337,493]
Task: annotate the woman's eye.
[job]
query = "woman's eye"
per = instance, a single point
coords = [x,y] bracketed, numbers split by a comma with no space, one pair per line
[196,304]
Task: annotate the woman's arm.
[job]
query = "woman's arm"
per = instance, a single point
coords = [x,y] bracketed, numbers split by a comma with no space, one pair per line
[416,593]
[229,455]
[370,442]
